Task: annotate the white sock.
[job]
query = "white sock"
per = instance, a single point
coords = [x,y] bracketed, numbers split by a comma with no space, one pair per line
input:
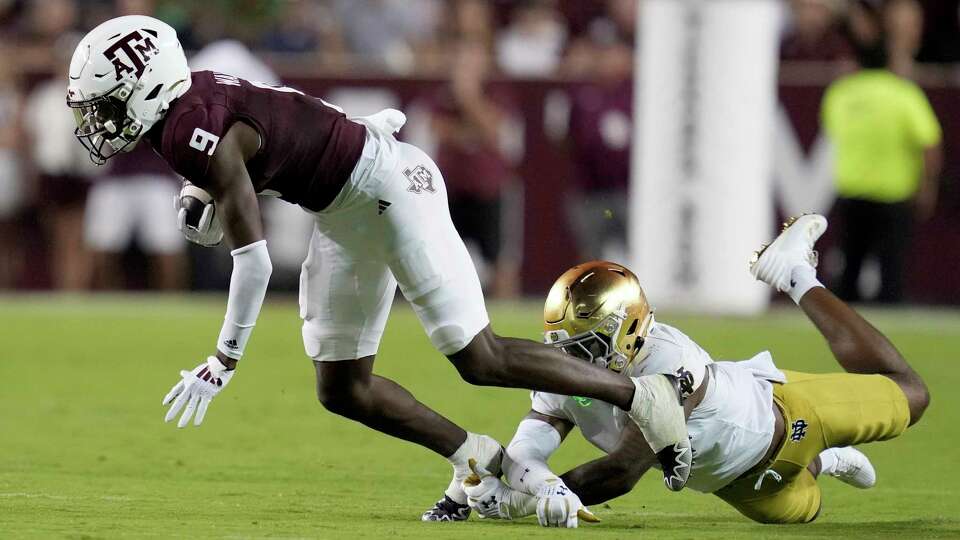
[461,469]
[803,279]
[828,461]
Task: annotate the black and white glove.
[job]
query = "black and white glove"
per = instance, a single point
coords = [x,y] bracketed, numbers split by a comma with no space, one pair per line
[197,216]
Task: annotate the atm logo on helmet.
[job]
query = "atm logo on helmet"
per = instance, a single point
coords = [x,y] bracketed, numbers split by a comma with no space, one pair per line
[131,53]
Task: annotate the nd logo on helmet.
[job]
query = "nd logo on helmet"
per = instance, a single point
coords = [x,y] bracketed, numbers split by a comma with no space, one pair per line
[137,49]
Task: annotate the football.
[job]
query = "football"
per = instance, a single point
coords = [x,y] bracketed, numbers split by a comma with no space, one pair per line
[194,200]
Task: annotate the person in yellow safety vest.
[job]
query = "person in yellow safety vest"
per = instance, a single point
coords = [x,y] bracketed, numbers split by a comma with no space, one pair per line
[887,144]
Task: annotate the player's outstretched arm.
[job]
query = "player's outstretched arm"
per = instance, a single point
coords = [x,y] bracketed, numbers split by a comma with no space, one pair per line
[534,488]
[614,474]
[239,214]
[538,436]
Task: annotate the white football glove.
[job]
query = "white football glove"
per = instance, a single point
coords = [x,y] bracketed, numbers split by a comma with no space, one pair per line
[195,390]
[207,232]
[486,493]
[559,506]
[493,499]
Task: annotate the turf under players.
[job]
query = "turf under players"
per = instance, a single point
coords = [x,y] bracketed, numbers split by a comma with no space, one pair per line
[381,221]
[760,436]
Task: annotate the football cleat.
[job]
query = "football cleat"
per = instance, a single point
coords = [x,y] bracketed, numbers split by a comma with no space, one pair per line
[658,412]
[852,467]
[773,263]
[447,509]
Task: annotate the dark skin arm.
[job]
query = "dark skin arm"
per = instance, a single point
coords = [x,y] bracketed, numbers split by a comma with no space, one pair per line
[236,199]
[612,475]
[616,473]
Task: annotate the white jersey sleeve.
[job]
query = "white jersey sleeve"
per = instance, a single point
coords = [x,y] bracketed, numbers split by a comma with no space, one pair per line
[669,351]
[550,405]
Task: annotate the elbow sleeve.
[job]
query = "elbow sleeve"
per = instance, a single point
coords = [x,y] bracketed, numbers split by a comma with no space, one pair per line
[528,452]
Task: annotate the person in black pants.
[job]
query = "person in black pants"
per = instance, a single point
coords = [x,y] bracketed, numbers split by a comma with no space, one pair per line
[877,228]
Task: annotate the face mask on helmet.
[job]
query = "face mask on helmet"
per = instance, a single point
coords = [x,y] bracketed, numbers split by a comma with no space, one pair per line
[594,346]
[103,125]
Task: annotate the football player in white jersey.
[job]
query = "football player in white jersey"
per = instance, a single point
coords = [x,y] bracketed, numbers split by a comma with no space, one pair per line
[760,436]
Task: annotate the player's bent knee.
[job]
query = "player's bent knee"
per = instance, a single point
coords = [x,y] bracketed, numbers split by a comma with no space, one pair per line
[478,362]
[919,401]
[341,389]
[916,392]
[344,401]
[475,371]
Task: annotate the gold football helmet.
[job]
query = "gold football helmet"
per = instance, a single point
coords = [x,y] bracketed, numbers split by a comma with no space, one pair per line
[597,311]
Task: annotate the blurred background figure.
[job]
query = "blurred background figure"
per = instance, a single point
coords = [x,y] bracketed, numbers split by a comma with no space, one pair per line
[600,136]
[132,206]
[613,22]
[304,27]
[814,32]
[62,173]
[887,142]
[40,24]
[903,26]
[391,34]
[533,42]
[470,126]
[11,180]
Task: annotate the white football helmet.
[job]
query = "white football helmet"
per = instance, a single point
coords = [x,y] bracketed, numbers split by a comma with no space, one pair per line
[123,76]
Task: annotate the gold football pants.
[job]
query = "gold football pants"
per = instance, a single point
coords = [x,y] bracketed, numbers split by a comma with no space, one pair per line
[820,411]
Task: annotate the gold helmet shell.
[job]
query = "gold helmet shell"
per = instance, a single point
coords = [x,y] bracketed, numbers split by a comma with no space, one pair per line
[597,311]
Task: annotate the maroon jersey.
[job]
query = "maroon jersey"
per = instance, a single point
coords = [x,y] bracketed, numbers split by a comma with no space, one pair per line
[139,161]
[307,151]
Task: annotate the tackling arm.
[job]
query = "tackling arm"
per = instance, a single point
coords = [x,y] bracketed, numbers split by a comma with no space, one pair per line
[543,493]
[538,436]
[614,474]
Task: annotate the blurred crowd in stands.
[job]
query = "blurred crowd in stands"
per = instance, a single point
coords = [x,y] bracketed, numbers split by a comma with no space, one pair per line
[56,207]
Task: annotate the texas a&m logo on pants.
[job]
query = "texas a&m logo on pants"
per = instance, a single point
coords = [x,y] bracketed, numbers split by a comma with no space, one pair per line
[421,179]
[131,53]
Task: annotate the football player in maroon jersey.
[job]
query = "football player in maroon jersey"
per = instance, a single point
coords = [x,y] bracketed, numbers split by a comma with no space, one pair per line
[382,220]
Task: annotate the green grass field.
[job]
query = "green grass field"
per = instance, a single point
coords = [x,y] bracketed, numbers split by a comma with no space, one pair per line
[84,452]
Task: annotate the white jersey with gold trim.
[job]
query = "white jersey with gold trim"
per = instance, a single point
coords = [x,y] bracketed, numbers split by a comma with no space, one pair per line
[730,430]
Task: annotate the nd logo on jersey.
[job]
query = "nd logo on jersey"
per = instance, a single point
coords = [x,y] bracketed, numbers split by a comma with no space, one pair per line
[421,179]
